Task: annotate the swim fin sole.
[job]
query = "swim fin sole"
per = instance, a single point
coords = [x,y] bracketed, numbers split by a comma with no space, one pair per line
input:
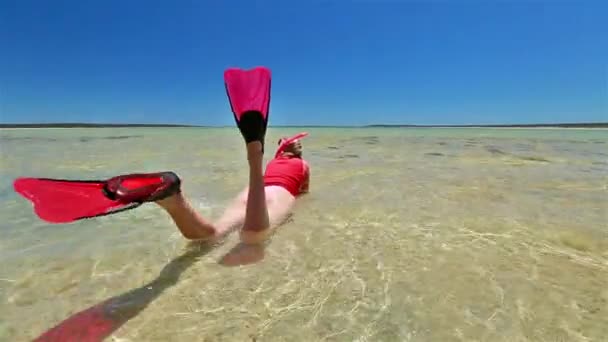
[249,92]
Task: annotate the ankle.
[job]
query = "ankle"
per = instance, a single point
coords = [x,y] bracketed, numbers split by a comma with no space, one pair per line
[254,149]
[251,237]
[171,202]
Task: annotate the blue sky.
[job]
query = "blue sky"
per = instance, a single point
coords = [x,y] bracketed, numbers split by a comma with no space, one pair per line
[335,62]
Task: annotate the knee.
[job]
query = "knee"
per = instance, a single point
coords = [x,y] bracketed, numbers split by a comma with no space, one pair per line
[191,237]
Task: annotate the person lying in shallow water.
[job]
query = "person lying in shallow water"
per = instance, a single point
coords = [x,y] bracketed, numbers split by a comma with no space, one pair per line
[264,204]
[260,207]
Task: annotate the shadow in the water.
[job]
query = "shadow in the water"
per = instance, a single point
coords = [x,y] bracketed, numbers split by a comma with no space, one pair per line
[243,254]
[246,254]
[99,321]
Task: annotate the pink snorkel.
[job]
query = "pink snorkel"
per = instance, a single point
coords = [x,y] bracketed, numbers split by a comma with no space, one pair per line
[288,141]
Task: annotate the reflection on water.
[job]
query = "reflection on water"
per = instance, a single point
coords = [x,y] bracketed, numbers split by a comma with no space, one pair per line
[407,234]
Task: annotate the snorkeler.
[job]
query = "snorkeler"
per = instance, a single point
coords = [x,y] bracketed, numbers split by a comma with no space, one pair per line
[264,204]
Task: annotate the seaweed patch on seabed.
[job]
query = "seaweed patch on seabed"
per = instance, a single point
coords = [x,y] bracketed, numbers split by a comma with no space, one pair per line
[495,150]
[5,138]
[113,137]
[534,158]
[524,147]
[471,143]
[118,137]
[587,153]
[348,156]
[369,140]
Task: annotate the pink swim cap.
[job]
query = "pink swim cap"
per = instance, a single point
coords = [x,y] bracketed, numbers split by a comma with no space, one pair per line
[286,142]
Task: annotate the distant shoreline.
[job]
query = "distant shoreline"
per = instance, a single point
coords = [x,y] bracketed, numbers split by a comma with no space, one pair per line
[552,125]
[87,125]
[110,125]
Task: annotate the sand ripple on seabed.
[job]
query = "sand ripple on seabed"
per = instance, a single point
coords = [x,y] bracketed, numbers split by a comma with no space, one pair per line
[412,239]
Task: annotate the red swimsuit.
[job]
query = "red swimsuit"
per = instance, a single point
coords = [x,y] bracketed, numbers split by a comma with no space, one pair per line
[289,172]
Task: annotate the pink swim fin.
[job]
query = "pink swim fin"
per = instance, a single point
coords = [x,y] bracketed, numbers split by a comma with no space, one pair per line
[249,96]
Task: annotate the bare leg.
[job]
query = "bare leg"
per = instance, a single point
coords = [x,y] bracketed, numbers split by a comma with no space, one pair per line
[234,215]
[256,212]
[279,202]
[188,221]
[256,218]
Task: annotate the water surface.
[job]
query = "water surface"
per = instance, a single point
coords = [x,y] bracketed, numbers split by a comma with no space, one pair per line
[407,235]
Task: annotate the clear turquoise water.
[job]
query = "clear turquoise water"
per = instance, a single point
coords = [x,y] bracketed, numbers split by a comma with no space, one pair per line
[407,235]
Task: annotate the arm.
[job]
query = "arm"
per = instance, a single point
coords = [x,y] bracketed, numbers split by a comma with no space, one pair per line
[306,183]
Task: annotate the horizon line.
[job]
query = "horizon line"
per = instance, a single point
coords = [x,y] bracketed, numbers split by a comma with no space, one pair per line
[102,125]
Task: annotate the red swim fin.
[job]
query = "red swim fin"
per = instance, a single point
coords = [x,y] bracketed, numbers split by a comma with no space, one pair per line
[249,96]
[64,200]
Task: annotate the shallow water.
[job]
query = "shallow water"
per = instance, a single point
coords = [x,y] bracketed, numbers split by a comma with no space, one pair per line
[407,235]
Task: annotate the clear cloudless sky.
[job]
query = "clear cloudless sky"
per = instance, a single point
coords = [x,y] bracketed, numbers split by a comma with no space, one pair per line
[340,62]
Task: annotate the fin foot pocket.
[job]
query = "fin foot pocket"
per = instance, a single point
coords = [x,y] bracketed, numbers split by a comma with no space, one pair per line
[148,187]
[252,126]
